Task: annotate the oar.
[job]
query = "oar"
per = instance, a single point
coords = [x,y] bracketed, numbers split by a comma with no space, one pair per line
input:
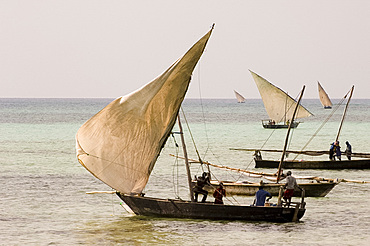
[354,181]
[100,192]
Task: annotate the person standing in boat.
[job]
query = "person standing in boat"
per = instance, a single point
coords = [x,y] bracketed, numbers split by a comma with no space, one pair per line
[348,150]
[201,182]
[338,153]
[331,152]
[219,193]
[261,195]
[290,185]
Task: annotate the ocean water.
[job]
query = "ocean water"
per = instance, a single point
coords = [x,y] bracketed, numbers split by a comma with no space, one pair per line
[43,198]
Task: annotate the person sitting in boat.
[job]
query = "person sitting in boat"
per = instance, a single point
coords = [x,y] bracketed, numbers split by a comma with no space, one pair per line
[331,152]
[348,150]
[201,182]
[290,185]
[261,195]
[338,153]
[219,193]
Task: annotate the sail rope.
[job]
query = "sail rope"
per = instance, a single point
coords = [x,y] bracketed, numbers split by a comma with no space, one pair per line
[199,157]
[175,170]
[202,107]
[191,136]
[322,125]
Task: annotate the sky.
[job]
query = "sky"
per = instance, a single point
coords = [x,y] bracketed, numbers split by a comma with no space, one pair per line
[107,49]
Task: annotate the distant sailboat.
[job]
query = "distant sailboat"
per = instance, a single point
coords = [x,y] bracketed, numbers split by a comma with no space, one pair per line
[320,164]
[324,98]
[278,104]
[239,97]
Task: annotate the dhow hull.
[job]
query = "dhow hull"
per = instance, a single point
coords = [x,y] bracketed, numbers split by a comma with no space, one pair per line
[344,164]
[195,210]
[280,126]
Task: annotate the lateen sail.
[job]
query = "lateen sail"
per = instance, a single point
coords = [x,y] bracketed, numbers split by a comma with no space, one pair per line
[278,104]
[239,97]
[324,98]
[121,143]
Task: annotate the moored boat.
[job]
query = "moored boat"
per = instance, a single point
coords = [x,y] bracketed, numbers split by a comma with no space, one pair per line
[302,164]
[312,189]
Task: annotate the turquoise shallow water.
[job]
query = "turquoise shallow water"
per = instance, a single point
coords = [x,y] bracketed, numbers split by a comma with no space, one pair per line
[44,201]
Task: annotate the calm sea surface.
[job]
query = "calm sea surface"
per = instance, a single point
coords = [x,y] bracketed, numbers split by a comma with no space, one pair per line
[43,196]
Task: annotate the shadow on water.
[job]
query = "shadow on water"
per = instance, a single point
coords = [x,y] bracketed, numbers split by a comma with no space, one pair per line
[133,230]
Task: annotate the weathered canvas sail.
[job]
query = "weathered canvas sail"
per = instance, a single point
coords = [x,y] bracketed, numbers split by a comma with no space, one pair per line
[324,98]
[278,104]
[239,97]
[121,143]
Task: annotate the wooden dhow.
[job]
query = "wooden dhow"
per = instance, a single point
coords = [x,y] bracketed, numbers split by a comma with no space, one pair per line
[278,104]
[120,146]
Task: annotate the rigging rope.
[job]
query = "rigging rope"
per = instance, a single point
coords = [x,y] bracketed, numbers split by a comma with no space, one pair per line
[201,104]
[322,125]
[176,165]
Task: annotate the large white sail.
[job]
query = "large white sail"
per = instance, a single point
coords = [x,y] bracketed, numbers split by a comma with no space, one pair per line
[324,98]
[239,97]
[121,143]
[278,104]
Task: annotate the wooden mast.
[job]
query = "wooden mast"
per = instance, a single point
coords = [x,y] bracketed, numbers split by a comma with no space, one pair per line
[287,136]
[344,113]
[186,160]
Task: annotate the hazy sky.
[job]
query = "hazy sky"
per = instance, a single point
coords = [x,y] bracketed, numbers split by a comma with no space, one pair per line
[108,48]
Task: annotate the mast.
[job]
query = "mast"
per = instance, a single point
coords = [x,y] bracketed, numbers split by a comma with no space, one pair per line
[287,135]
[344,113]
[186,159]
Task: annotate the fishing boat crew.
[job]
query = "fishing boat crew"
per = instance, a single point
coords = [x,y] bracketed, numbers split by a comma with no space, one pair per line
[219,193]
[337,151]
[290,184]
[348,150]
[331,152]
[261,195]
[201,182]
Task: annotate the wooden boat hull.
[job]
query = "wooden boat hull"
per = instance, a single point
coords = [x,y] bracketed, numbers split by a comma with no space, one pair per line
[195,210]
[245,189]
[279,126]
[344,164]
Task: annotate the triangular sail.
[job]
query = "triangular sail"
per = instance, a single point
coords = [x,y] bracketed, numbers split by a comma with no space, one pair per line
[278,104]
[239,97]
[324,98]
[121,143]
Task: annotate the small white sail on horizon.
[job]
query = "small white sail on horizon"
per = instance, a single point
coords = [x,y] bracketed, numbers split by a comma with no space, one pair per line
[324,98]
[120,144]
[278,104]
[239,97]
